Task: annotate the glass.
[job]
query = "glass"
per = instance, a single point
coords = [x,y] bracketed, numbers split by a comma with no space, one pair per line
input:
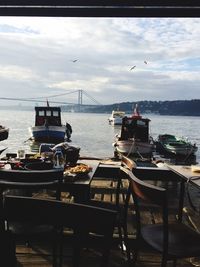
[21,153]
[59,161]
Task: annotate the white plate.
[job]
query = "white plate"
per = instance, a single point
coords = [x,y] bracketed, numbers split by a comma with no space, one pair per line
[195,168]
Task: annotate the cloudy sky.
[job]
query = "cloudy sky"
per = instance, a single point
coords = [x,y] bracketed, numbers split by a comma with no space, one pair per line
[37,54]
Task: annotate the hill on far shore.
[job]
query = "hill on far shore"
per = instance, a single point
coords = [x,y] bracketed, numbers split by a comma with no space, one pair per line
[176,107]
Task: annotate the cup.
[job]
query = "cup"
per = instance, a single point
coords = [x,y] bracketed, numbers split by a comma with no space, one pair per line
[21,153]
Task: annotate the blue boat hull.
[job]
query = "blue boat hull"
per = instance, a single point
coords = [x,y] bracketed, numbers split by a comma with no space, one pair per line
[53,134]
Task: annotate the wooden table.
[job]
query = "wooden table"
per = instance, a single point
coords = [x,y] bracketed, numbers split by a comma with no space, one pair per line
[186,173]
[192,180]
[80,187]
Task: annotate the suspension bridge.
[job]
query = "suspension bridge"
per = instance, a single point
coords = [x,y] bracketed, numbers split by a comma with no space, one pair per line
[51,98]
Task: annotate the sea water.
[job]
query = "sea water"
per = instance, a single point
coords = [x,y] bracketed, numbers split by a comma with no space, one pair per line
[93,133]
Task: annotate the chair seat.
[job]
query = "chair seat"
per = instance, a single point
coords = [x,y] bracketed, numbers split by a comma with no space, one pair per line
[183,241]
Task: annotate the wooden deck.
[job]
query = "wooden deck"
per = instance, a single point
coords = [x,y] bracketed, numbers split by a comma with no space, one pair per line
[146,259]
[27,256]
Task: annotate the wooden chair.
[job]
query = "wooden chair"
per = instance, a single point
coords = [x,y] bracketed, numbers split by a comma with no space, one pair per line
[92,227]
[172,238]
[120,203]
[28,183]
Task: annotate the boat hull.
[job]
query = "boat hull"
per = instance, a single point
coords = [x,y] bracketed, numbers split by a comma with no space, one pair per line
[171,145]
[182,151]
[134,136]
[53,134]
[4,132]
[134,147]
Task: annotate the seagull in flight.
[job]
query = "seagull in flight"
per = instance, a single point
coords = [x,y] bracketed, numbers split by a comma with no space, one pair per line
[145,62]
[132,68]
[74,60]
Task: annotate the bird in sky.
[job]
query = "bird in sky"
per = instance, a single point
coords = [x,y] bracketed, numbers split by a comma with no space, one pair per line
[145,62]
[74,60]
[132,68]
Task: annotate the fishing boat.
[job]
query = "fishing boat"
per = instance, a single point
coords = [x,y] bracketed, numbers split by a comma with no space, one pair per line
[134,136]
[48,127]
[171,144]
[4,132]
[116,117]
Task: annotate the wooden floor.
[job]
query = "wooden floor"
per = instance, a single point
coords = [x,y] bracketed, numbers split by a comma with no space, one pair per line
[91,259]
[27,256]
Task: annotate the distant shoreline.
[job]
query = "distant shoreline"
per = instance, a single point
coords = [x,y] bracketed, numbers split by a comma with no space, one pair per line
[169,108]
[146,114]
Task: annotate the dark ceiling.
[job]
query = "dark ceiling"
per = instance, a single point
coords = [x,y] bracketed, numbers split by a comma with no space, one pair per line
[101,8]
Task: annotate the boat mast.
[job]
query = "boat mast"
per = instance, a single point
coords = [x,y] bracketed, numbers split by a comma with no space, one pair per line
[136,113]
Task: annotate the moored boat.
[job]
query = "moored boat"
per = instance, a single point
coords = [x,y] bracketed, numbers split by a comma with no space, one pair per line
[4,132]
[48,127]
[134,137]
[116,117]
[171,144]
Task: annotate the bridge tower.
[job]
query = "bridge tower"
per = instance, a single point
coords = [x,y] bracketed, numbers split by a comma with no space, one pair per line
[80,99]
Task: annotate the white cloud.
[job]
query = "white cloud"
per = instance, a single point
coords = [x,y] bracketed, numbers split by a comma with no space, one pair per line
[36,57]
[17,73]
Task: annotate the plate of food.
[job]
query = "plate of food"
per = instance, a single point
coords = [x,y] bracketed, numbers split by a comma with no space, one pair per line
[80,168]
[195,168]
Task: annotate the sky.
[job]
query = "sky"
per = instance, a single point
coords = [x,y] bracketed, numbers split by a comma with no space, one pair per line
[53,58]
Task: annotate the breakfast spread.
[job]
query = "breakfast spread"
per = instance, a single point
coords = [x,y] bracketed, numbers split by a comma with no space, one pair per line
[78,169]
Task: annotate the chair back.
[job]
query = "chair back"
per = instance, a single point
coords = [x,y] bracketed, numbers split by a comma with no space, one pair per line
[28,181]
[143,192]
[56,212]
[147,192]
[82,219]
[29,178]
[153,196]
[127,163]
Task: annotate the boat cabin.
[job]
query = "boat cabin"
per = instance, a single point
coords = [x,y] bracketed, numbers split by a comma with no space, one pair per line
[135,127]
[48,116]
[118,113]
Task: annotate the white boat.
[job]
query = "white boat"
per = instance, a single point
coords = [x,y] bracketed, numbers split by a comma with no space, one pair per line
[116,117]
[134,137]
[48,127]
[133,146]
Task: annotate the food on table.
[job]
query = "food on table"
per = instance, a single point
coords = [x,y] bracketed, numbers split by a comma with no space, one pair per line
[79,168]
